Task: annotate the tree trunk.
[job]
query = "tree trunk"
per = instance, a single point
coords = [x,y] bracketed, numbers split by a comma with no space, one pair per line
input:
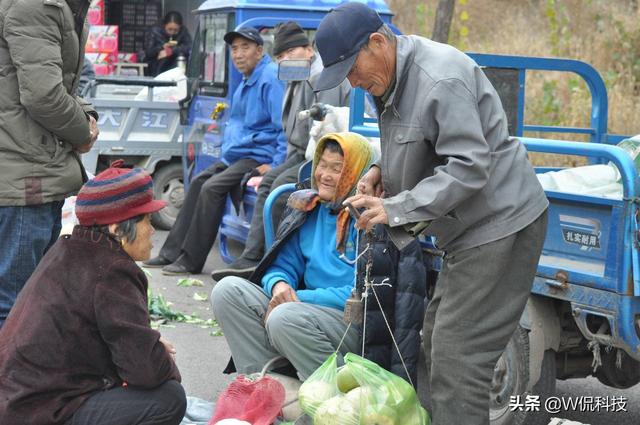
[444,16]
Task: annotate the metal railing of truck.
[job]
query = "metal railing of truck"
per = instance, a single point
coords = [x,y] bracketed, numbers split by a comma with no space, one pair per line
[597,131]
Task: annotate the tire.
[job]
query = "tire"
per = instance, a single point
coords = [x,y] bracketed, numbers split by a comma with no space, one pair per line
[511,378]
[610,375]
[168,185]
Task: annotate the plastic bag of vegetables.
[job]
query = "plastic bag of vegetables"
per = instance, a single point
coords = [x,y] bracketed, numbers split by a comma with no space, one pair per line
[359,393]
[381,397]
[319,387]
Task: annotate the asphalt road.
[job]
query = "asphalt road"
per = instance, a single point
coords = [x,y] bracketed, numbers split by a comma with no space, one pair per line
[201,356]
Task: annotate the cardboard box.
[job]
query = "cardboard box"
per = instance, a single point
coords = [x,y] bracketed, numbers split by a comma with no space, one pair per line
[103,63]
[102,39]
[95,15]
[128,57]
[104,69]
[110,58]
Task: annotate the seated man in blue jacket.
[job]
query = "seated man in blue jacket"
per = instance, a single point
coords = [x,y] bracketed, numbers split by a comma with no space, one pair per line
[295,306]
[253,139]
[289,43]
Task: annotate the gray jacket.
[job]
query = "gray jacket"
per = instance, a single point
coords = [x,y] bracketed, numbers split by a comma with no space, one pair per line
[41,119]
[299,96]
[447,157]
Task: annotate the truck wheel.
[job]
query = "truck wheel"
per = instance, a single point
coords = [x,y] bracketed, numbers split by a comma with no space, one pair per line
[168,185]
[610,375]
[511,378]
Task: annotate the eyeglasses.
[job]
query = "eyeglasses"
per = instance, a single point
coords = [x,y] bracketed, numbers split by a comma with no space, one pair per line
[354,68]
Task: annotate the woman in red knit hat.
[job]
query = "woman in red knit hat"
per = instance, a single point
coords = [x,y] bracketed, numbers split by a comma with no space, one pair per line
[77,347]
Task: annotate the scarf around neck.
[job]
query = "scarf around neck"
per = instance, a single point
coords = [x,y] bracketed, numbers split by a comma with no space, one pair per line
[358,157]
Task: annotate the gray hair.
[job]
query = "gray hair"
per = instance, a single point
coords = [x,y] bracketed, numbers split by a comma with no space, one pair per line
[386,32]
[125,229]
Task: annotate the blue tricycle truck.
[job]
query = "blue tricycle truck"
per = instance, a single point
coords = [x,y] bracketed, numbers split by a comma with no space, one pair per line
[583,315]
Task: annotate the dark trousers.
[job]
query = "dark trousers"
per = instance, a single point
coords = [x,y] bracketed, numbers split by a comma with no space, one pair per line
[164,405]
[478,300]
[26,232]
[196,226]
[283,174]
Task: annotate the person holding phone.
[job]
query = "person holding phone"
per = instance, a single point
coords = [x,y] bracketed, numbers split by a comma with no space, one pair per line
[165,43]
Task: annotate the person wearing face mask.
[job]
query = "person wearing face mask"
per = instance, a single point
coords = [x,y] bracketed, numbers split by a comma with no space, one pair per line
[77,347]
[290,42]
[253,140]
[165,43]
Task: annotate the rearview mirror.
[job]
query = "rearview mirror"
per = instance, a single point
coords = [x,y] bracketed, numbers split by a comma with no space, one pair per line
[294,70]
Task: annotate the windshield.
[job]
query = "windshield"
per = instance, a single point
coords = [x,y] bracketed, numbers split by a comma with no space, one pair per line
[209,56]
[215,27]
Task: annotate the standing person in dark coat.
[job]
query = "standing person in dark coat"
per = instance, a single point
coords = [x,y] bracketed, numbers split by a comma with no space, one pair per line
[44,127]
[165,43]
[77,347]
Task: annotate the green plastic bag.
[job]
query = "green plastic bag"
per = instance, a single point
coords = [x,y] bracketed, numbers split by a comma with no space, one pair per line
[320,398]
[383,397]
[319,387]
[358,393]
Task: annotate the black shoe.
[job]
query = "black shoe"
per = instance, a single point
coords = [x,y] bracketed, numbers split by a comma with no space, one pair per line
[158,261]
[176,269]
[241,267]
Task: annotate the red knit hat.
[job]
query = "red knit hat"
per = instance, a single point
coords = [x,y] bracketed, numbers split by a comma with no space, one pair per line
[115,195]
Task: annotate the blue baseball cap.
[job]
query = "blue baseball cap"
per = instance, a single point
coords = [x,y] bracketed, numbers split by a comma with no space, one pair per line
[249,33]
[340,36]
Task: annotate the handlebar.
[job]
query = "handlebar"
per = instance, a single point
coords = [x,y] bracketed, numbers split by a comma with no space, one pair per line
[134,81]
[317,112]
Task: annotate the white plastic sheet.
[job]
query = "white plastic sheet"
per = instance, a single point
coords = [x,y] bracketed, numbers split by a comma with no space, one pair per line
[336,121]
[167,94]
[595,180]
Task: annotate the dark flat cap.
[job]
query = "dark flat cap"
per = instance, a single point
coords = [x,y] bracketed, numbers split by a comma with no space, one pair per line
[249,33]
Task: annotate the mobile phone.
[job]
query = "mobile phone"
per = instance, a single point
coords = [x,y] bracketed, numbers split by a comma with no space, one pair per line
[353,211]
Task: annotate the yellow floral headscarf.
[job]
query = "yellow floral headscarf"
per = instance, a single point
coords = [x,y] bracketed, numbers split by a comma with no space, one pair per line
[358,157]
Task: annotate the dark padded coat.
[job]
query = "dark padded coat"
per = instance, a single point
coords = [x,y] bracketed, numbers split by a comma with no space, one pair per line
[42,121]
[79,326]
[402,302]
[156,38]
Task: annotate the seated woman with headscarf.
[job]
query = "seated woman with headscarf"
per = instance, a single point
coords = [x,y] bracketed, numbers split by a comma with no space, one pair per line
[295,306]
[77,347]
